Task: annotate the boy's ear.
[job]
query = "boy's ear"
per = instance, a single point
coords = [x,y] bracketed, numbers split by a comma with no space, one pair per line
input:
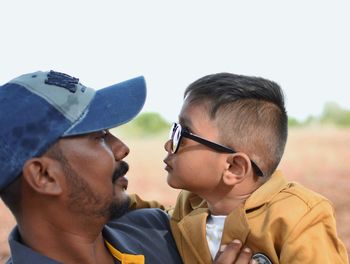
[237,168]
[41,174]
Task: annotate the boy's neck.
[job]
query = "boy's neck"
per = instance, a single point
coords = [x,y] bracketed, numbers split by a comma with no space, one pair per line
[226,205]
[225,202]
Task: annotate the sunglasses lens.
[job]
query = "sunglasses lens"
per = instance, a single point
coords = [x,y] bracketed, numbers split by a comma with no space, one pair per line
[175,136]
[172,130]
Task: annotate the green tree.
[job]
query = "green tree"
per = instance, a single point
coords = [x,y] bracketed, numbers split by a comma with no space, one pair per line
[150,123]
[145,124]
[335,115]
[293,122]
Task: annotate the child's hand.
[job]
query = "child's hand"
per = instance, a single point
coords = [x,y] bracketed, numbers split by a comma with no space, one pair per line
[232,254]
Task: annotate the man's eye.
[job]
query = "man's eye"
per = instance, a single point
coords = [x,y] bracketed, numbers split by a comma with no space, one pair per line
[103,135]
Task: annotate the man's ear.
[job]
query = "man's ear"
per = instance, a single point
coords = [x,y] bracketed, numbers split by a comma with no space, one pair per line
[237,168]
[42,175]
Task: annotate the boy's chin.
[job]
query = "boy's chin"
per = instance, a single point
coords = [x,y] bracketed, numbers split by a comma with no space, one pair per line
[173,183]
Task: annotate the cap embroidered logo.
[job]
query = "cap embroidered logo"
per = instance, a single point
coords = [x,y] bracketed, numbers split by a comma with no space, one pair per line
[62,80]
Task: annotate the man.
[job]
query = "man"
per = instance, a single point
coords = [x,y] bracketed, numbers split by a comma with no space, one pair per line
[62,175]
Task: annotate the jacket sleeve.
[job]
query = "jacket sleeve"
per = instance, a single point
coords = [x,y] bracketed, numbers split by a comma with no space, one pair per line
[137,203]
[314,239]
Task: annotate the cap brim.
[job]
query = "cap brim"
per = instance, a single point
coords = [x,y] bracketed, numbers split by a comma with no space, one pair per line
[111,107]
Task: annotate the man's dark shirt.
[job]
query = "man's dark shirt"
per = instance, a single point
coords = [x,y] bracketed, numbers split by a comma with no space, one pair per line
[141,232]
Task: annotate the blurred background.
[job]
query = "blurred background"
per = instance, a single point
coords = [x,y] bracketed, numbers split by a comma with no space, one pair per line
[302,45]
[316,155]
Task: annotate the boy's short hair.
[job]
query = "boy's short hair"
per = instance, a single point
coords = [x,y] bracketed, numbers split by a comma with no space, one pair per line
[249,112]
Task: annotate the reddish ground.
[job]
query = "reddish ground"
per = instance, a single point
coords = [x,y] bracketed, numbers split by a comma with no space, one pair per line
[317,158]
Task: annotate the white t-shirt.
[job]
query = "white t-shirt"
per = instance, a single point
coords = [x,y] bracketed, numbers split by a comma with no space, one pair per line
[214,228]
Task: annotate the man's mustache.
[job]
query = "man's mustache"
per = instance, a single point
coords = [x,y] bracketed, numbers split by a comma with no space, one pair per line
[121,170]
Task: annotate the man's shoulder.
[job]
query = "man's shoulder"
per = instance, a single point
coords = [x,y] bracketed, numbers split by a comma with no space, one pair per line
[145,217]
[143,232]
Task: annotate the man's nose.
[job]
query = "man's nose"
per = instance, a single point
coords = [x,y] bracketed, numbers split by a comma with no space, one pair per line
[119,148]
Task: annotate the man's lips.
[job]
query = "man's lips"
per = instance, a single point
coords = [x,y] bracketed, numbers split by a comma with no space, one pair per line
[120,171]
[119,178]
[122,181]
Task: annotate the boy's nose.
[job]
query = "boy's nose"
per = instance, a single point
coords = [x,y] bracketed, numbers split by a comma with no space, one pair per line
[167,146]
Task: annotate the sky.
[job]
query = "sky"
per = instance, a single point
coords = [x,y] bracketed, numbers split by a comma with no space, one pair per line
[302,45]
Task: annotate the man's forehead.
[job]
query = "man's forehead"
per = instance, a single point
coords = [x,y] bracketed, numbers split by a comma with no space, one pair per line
[93,133]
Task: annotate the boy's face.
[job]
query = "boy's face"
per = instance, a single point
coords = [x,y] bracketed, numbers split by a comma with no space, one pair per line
[196,167]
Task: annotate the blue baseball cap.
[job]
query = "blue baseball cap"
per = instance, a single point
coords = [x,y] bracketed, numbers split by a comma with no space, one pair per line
[37,109]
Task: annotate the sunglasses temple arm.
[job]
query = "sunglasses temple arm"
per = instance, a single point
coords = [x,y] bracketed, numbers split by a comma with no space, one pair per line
[207,143]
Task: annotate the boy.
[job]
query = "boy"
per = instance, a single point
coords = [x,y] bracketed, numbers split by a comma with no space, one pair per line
[224,153]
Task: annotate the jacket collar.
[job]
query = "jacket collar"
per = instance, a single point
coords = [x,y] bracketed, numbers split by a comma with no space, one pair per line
[193,229]
[267,191]
[262,195]
[192,221]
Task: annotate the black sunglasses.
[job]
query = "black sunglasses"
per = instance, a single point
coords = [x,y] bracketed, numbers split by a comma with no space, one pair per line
[177,133]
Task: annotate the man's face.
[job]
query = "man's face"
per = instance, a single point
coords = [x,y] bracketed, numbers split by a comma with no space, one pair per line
[94,174]
[195,167]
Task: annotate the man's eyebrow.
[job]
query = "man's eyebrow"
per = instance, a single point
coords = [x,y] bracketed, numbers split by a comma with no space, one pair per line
[99,132]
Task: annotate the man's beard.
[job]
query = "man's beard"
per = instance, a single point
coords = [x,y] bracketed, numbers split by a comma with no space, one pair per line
[119,208]
[85,201]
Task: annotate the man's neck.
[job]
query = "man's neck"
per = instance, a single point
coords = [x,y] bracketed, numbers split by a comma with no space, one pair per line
[65,246]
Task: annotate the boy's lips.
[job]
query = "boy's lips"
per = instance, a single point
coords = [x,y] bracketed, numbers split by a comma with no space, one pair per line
[167,167]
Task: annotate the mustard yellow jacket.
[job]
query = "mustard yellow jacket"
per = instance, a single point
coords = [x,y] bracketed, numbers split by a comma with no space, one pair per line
[284,221]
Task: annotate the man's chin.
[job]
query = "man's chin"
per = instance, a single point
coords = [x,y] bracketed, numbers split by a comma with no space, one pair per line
[118,209]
